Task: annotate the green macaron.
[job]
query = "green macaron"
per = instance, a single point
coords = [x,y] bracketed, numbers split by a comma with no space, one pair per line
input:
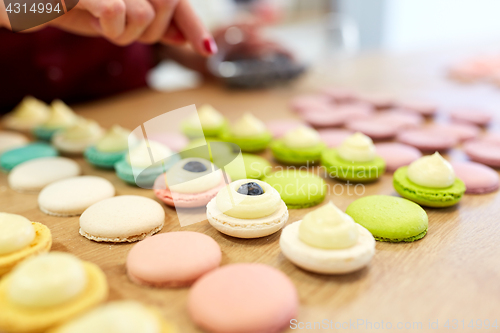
[14,157]
[103,160]
[296,156]
[427,196]
[359,172]
[298,188]
[194,132]
[145,177]
[248,144]
[390,219]
[248,167]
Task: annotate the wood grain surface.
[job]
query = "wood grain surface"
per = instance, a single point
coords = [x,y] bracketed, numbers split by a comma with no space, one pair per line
[452,274]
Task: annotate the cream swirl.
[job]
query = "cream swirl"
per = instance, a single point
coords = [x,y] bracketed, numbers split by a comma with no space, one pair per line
[328,228]
[47,280]
[140,155]
[242,206]
[357,148]
[208,117]
[248,125]
[61,115]
[82,130]
[301,137]
[31,110]
[116,139]
[184,181]
[16,233]
[431,171]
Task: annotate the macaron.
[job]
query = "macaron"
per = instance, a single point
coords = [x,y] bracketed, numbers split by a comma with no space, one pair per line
[145,162]
[112,147]
[476,117]
[305,103]
[20,239]
[463,131]
[399,118]
[71,196]
[247,297]
[78,137]
[429,181]
[340,95]
[191,182]
[249,166]
[423,108]
[46,290]
[125,218]
[390,219]
[174,141]
[301,145]
[482,151]
[327,241]
[278,128]
[60,117]
[379,101]
[34,175]
[16,156]
[428,140]
[493,137]
[397,154]
[249,133]
[10,140]
[298,188]
[118,316]
[375,129]
[247,208]
[337,116]
[173,259]
[208,122]
[354,160]
[28,114]
[478,178]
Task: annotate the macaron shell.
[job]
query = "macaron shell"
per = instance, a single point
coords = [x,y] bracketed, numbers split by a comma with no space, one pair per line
[71,196]
[102,159]
[10,140]
[477,117]
[478,178]
[174,141]
[279,127]
[187,200]
[125,218]
[14,157]
[426,109]
[462,131]
[41,244]
[334,137]
[361,172]
[388,218]
[243,298]
[377,130]
[483,151]
[19,319]
[396,154]
[427,140]
[287,155]
[323,261]
[35,174]
[173,259]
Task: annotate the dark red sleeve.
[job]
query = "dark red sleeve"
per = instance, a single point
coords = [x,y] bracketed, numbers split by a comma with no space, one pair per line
[51,63]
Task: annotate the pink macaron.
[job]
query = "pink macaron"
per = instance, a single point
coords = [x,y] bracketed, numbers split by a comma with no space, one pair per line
[306,103]
[476,117]
[243,298]
[337,116]
[340,95]
[427,140]
[377,130]
[493,137]
[482,151]
[400,118]
[478,178]
[186,200]
[423,108]
[173,259]
[462,131]
[378,100]
[334,137]
[397,155]
[279,127]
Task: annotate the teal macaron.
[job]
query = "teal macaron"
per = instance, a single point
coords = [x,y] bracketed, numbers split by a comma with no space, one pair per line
[14,157]
[103,160]
[298,188]
[390,219]
[146,177]
[43,133]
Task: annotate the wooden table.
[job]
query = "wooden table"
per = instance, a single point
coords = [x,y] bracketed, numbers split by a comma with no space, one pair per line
[453,274]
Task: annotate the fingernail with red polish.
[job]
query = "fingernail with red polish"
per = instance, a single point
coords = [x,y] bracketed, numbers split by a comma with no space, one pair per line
[210,45]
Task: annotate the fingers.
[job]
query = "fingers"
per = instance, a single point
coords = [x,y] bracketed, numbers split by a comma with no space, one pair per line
[111,15]
[164,10]
[193,29]
[173,36]
[79,22]
[139,15]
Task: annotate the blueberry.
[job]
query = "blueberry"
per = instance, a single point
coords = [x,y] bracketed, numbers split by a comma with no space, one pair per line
[195,166]
[251,189]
